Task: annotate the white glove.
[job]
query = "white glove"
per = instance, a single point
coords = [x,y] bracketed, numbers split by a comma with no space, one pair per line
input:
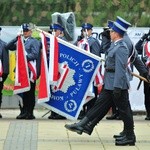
[19,33]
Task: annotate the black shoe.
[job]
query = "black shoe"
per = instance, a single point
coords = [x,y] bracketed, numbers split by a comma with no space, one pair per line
[87,129]
[126,141]
[22,116]
[51,117]
[121,134]
[147,118]
[118,118]
[81,115]
[113,117]
[30,117]
[121,138]
[78,127]
[57,116]
[75,128]
[0,116]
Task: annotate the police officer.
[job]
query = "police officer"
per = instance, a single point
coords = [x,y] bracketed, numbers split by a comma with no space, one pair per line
[32,48]
[93,46]
[115,89]
[133,59]
[105,44]
[142,49]
[4,66]
[57,30]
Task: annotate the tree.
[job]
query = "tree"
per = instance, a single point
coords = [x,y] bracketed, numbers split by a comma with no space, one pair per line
[97,12]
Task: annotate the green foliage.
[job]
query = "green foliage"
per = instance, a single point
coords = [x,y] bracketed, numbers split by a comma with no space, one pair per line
[97,12]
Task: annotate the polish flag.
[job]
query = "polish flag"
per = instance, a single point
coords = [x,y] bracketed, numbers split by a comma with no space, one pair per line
[53,60]
[147,50]
[22,82]
[44,89]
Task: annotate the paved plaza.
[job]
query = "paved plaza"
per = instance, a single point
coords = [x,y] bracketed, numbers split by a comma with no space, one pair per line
[45,134]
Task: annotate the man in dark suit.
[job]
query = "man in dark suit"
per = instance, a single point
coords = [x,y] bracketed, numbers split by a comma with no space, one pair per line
[115,89]
[4,66]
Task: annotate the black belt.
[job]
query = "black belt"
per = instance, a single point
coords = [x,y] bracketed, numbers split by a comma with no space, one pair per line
[110,70]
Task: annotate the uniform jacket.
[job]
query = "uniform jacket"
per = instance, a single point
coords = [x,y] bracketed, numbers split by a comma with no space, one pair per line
[94,46]
[136,61]
[4,57]
[105,44]
[32,47]
[116,60]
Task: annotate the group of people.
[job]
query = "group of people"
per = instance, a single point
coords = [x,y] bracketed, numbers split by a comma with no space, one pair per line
[119,53]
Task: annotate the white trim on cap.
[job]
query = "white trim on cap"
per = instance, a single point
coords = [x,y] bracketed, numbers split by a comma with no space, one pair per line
[123,20]
[119,26]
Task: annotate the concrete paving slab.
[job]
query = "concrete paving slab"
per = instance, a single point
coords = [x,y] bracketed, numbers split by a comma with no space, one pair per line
[45,134]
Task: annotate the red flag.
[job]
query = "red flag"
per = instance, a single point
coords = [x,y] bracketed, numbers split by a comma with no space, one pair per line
[1,70]
[53,61]
[22,82]
[147,50]
[44,91]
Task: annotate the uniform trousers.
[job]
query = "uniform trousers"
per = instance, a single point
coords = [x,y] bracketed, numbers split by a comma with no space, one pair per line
[29,99]
[91,103]
[147,97]
[104,103]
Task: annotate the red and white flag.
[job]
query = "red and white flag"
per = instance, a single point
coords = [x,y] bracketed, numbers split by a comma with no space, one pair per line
[99,78]
[44,89]
[147,51]
[1,70]
[53,60]
[22,82]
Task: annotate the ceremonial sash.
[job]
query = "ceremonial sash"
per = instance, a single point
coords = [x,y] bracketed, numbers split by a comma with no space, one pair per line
[44,90]
[129,60]
[22,83]
[32,67]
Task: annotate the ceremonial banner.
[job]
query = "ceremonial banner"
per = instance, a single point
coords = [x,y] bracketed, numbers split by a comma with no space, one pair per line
[77,70]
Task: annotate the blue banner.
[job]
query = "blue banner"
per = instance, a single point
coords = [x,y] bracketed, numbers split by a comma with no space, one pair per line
[77,71]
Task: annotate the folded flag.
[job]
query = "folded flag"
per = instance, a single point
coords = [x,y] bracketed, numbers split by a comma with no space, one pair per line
[44,87]
[22,83]
[53,61]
